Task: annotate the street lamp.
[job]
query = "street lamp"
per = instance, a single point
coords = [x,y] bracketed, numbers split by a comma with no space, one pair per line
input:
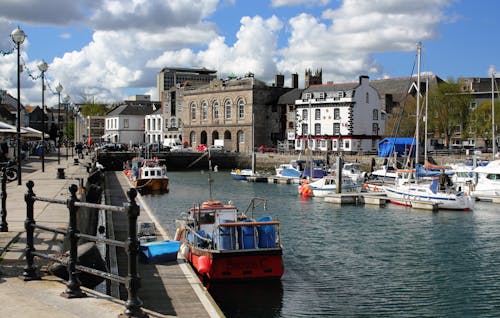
[18,37]
[59,89]
[66,106]
[43,67]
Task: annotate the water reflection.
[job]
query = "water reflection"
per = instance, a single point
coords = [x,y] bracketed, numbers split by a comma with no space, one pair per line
[262,299]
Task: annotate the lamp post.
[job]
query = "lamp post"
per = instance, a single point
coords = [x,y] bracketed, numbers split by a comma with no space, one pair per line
[18,37]
[59,89]
[43,67]
[66,104]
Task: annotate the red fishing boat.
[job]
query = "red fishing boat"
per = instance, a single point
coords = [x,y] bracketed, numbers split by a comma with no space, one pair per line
[222,243]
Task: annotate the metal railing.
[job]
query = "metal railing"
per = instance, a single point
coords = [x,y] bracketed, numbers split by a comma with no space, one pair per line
[73,285]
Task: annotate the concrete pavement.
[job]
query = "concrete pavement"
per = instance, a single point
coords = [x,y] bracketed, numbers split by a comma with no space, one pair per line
[42,298]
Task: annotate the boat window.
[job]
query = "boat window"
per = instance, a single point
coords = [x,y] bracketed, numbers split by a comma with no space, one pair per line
[146,173]
[207,218]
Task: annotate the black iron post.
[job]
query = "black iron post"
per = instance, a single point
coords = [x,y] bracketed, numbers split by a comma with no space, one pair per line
[4,227]
[29,225]
[133,283]
[67,127]
[73,289]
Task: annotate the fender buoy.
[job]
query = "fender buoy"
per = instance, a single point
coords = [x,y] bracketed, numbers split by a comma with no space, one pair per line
[203,265]
[178,234]
[238,171]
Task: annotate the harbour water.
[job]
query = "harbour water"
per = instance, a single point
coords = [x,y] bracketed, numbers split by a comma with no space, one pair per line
[356,261]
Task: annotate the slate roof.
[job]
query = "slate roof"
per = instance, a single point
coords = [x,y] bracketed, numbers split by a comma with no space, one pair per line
[398,87]
[290,97]
[132,110]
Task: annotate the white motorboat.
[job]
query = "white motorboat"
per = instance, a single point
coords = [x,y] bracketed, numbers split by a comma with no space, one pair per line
[488,180]
[328,186]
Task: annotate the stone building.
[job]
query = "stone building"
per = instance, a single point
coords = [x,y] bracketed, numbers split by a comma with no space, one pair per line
[243,112]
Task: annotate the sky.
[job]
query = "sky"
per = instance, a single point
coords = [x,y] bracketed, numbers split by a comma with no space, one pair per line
[108,50]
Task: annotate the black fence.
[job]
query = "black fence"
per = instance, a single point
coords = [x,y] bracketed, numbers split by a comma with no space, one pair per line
[73,285]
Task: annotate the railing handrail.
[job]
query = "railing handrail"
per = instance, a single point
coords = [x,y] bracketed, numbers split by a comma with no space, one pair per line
[131,244]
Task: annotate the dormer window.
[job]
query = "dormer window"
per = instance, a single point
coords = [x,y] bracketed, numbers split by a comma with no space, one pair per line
[307,96]
[340,94]
[322,95]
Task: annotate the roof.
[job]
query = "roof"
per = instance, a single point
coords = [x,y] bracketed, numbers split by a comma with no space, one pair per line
[132,110]
[399,86]
[290,97]
[331,87]
[202,70]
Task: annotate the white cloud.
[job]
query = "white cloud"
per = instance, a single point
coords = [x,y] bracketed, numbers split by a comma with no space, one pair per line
[282,3]
[343,42]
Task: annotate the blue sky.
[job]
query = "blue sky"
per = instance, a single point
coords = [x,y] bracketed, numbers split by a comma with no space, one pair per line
[110,49]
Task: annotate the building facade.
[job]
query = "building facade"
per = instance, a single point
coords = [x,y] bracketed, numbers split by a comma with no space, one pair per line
[339,117]
[154,127]
[242,112]
[125,124]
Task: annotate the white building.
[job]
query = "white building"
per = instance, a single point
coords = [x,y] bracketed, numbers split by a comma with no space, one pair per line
[154,127]
[125,124]
[349,112]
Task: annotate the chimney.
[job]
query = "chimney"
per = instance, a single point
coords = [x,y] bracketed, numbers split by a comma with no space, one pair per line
[295,80]
[279,80]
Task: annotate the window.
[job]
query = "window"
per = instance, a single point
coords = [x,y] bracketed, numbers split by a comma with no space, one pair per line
[317,129]
[304,114]
[375,114]
[173,122]
[241,137]
[367,98]
[317,114]
[241,109]
[193,111]
[304,129]
[227,109]
[347,144]
[192,137]
[204,111]
[375,129]
[290,108]
[336,113]
[216,109]
[321,95]
[336,129]
[290,125]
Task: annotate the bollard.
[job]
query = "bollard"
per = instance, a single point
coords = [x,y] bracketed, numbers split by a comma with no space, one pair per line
[29,225]
[73,289]
[4,227]
[60,173]
[76,162]
[133,304]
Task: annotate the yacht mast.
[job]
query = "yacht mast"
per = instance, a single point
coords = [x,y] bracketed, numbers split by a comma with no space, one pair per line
[419,49]
[493,137]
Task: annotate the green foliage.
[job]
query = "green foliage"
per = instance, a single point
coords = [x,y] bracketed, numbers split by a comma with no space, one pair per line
[448,110]
[90,109]
[480,120]
[405,120]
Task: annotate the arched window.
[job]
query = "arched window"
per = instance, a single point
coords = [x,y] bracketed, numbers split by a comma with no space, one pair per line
[375,114]
[204,110]
[241,109]
[216,109]
[227,109]
[193,111]
[192,138]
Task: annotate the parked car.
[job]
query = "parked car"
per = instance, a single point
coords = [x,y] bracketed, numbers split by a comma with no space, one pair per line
[112,147]
[216,148]
[263,148]
[202,147]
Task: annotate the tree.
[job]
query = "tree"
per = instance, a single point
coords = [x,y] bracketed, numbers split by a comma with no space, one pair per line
[480,120]
[91,109]
[448,110]
[402,120]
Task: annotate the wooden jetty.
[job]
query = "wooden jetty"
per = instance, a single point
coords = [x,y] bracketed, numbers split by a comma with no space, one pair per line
[374,198]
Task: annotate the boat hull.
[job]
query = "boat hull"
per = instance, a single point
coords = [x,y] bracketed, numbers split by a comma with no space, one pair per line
[444,202]
[153,185]
[234,265]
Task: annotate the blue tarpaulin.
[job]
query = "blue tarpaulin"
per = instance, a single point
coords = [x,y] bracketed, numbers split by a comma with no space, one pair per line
[402,146]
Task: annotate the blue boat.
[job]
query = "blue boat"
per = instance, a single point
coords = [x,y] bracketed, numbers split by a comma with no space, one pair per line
[159,251]
[241,174]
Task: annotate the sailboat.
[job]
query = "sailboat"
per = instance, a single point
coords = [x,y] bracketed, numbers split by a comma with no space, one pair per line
[411,190]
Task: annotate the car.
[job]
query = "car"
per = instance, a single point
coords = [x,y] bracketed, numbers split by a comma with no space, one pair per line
[201,147]
[216,148]
[263,148]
